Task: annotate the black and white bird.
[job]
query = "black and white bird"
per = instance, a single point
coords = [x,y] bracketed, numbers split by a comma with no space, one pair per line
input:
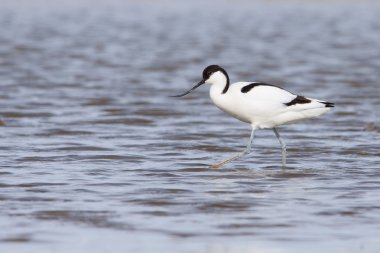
[261,105]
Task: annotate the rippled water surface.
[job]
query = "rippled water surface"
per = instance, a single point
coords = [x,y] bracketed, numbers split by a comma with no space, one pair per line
[94,156]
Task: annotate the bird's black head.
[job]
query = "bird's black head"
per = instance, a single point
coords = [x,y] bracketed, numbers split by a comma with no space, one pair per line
[208,71]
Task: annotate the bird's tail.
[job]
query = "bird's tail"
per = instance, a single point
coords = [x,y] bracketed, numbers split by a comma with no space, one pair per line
[313,108]
[327,104]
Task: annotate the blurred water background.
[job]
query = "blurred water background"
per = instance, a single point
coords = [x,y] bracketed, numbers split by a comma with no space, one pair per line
[94,157]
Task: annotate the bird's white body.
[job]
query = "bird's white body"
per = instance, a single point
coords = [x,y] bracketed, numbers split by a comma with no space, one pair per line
[263,106]
[259,104]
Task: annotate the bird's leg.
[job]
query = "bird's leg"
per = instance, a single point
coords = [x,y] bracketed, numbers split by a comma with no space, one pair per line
[283,147]
[245,151]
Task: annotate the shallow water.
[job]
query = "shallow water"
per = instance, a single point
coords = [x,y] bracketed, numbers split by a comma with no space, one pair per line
[96,158]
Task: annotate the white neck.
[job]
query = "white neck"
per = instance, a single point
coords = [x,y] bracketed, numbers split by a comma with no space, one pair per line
[218,81]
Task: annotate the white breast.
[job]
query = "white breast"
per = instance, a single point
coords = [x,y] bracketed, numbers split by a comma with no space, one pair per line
[229,102]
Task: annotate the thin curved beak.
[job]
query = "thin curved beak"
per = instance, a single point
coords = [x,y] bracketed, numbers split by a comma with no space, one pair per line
[187,92]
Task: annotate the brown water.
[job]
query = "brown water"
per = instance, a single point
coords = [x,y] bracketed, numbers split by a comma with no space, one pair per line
[96,158]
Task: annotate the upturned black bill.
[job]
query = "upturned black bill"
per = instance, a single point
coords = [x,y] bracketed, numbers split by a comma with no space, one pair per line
[187,92]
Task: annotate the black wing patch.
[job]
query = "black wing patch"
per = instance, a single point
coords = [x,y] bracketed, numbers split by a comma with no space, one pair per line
[250,86]
[298,100]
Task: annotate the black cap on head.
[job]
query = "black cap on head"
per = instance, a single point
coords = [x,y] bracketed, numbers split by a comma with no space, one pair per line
[208,71]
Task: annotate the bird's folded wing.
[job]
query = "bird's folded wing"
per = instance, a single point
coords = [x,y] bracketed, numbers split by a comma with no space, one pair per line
[262,91]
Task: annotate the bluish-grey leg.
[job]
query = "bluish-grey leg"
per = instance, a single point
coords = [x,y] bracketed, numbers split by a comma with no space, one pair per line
[283,147]
[245,151]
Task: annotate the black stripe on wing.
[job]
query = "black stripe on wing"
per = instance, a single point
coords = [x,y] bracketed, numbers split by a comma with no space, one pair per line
[250,86]
[328,104]
[298,100]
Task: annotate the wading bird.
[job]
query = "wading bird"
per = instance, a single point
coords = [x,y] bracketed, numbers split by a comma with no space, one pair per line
[261,105]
